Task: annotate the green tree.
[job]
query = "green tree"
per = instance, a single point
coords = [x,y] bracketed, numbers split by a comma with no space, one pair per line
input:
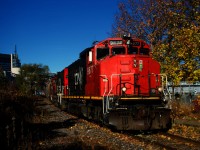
[171,27]
[32,77]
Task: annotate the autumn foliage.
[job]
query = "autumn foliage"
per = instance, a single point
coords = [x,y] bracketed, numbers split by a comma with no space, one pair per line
[171,27]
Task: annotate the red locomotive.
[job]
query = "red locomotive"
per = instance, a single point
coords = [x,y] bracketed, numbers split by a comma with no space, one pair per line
[118,83]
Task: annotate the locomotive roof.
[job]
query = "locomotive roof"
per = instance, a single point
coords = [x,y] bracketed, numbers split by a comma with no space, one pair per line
[120,38]
[83,53]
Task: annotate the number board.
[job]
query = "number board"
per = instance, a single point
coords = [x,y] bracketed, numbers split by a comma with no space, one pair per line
[116,42]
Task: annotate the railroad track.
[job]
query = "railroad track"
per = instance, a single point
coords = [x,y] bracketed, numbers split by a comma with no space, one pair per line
[187,122]
[169,141]
[186,141]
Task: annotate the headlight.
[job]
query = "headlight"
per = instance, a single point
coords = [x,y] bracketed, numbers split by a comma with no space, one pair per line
[124,89]
[153,91]
[160,89]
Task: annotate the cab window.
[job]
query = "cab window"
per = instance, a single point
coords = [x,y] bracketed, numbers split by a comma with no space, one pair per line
[118,50]
[132,50]
[102,52]
[144,51]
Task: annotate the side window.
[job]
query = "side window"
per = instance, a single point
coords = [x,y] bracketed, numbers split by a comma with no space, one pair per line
[102,52]
[89,57]
[132,50]
[118,50]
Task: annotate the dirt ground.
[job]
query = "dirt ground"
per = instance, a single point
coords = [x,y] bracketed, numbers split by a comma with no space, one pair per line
[39,124]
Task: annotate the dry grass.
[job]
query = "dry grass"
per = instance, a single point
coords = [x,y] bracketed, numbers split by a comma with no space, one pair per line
[181,110]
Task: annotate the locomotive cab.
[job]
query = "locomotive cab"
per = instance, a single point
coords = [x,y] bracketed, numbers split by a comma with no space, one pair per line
[117,68]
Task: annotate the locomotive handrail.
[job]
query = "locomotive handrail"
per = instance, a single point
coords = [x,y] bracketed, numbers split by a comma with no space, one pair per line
[163,75]
[109,93]
[103,101]
[112,78]
[60,97]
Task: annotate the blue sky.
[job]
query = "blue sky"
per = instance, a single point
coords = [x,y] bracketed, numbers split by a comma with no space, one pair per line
[53,32]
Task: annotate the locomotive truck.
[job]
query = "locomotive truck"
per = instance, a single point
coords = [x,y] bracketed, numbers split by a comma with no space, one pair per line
[118,83]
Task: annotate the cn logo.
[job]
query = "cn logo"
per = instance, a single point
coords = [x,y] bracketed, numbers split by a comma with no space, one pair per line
[78,76]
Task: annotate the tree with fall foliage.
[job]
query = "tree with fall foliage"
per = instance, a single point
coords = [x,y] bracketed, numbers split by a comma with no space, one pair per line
[171,27]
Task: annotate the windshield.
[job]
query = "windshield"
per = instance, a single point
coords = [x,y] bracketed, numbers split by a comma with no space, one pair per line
[144,51]
[132,50]
[102,52]
[118,50]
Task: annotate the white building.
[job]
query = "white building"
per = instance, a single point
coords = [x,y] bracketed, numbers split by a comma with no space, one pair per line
[10,64]
[15,64]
